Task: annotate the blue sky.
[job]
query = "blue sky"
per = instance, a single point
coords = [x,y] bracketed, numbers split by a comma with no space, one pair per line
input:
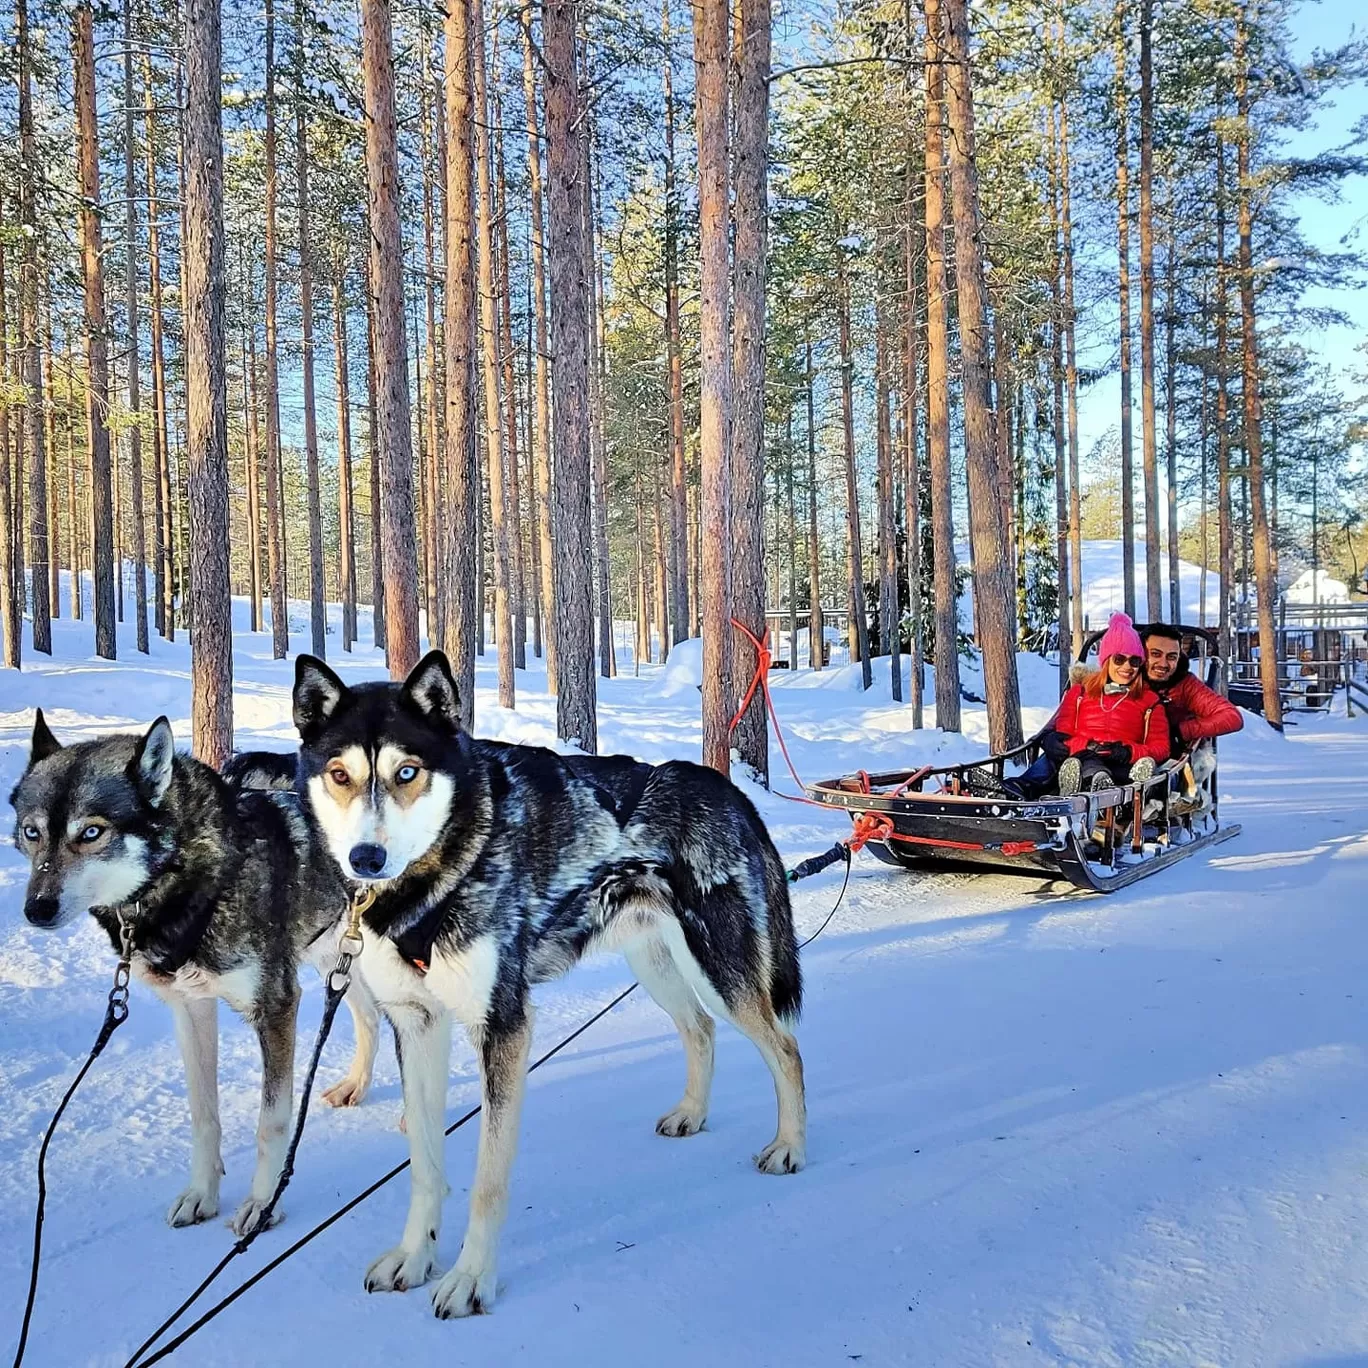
[1330,226]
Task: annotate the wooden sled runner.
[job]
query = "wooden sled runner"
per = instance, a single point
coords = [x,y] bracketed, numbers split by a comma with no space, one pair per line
[958,816]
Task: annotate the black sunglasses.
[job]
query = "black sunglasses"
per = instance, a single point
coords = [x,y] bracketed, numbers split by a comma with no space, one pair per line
[1135,662]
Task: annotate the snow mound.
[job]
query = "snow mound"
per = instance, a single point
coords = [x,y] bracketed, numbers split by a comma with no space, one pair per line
[683,670]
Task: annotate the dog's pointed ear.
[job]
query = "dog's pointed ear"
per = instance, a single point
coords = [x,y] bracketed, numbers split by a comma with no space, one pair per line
[43,743]
[153,761]
[431,689]
[317,692]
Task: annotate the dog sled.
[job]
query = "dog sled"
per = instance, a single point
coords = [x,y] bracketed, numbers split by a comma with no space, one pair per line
[959,816]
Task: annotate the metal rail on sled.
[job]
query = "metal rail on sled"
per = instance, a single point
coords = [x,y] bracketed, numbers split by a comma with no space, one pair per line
[934,818]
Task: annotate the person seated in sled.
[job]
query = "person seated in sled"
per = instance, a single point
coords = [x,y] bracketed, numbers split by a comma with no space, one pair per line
[1110,727]
[1196,714]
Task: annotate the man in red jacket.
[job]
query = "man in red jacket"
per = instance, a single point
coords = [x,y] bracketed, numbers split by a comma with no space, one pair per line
[1195,713]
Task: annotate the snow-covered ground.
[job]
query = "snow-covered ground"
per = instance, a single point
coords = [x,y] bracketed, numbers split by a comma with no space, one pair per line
[1046,1128]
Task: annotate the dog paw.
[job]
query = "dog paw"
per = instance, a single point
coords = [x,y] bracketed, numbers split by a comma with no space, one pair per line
[194,1205]
[349,1092]
[464,1292]
[401,1269]
[248,1216]
[680,1122]
[779,1156]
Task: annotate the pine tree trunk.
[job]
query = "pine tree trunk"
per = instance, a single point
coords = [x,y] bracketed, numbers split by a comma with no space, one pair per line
[376,461]
[859,623]
[31,347]
[134,362]
[211,640]
[163,616]
[318,608]
[1122,96]
[275,485]
[912,477]
[938,382]
[516,569]
[988,519]
[49,431]
[432,458]
[816,636]
[252,427]
[546,531]
[679,499]
[751,209]
[602,564]
[660,509]
[576,706]
[1226,540]
[1057,324]
[391,362]
[97,340]
[1171,421]
[460,555]
[78,524]
[710,27]
[890,626]
[1265,576]
[1071,376]
[1153,585]
[346,517]
[493,386]
[11,611]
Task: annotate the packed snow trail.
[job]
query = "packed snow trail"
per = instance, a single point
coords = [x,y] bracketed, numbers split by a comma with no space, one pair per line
[1046,1127]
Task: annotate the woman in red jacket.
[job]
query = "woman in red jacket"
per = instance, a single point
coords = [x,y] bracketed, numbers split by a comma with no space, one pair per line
[1111,725]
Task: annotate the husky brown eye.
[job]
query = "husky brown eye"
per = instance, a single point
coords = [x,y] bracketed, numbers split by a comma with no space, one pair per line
[406,774]
[339,776]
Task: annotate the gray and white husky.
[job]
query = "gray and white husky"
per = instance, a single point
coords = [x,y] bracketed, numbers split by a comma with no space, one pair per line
[496,867]
[226,890]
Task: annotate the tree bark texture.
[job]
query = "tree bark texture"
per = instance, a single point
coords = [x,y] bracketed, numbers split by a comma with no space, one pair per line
[275,493]
[493,379]
[1265,575]
[1124,287]
[576,708]
[391,361]
[993,589]
[211,638]
[134,353]
[1148,425]
[546,527]
[97,338]
[938,382]
[459,552]
[710,26]
[346,517]
[11,600]
[318,608]
[30,347]
[751,209]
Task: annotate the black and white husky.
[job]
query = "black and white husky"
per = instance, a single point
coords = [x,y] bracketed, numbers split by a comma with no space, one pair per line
[226,889]
[496,867]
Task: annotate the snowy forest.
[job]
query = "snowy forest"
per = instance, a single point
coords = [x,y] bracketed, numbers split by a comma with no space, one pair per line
[520,321]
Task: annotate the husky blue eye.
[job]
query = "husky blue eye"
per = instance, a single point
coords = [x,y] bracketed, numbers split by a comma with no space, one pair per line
[92,833]
[31,833]
[406,774]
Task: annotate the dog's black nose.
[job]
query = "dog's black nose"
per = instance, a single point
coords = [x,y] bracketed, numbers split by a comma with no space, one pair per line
[368,860]
[42,911]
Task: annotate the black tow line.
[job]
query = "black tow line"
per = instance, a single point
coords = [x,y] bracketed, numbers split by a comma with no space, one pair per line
[337,983]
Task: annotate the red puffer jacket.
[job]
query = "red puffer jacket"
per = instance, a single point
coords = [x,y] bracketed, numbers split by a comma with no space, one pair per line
[1196,712]
[1139,722]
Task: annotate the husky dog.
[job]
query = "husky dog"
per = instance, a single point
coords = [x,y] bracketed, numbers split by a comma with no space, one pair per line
[225,888]
[496,867]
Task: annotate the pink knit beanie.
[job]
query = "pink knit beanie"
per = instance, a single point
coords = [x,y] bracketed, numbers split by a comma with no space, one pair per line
[1120,638]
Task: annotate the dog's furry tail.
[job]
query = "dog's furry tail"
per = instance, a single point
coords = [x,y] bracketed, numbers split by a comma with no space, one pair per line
[261,771]
[786,974]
